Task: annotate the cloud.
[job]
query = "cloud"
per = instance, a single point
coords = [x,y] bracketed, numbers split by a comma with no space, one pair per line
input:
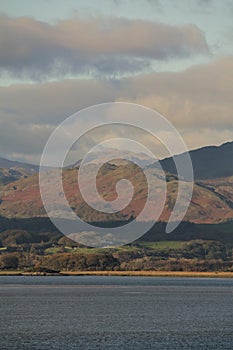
[198,101]
[27,122]
[50,103]
[90,46]
[200,96]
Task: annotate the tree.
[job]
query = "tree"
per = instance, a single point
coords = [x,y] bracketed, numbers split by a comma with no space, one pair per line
[9,261]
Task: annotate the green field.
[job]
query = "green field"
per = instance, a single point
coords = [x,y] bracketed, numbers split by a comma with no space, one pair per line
[162,245]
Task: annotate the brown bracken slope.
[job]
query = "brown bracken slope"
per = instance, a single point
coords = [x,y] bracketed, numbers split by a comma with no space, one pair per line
[212,200]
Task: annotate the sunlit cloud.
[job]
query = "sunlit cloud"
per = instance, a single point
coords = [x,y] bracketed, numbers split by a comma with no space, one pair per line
[106,46]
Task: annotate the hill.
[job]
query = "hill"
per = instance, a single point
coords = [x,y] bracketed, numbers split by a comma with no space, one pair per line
[202,242]
[10,164]
[11,171]
[208,162]
[13,174]
[212,200]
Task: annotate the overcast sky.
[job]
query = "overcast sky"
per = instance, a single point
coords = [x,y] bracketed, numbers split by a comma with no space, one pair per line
[57,57]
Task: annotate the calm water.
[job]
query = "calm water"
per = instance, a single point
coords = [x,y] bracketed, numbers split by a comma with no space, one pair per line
[123,313]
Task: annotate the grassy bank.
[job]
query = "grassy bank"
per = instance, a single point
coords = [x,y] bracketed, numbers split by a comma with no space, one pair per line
[11,273]
[150,273]
[124,273]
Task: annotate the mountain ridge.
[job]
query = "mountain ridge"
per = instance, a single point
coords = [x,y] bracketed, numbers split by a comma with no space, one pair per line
[209,162]
[12,164]
[212,199]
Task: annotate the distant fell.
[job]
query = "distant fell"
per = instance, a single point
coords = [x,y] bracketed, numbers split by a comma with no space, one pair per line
[11,171]
[11,164]
[209,162]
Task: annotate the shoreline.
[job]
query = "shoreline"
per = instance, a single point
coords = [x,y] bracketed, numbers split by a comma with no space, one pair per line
[150,274]
[217,274]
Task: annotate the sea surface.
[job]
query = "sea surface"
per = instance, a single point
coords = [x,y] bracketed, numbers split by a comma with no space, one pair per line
[103,312]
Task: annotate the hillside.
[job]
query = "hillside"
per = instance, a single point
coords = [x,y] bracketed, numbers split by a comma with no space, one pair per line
[208,162]
[13,174]
[10,164]
[212,201]
[36,246]
[11,171]
[30,242]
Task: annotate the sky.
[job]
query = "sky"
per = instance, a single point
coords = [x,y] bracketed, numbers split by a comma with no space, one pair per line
[57,57]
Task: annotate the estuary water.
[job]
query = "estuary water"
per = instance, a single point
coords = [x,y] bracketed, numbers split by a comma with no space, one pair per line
[103,312]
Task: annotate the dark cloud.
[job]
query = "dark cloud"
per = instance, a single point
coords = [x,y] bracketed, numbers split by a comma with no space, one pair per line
[97,45]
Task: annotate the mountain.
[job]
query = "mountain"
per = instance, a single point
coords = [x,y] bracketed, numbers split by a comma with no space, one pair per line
[102,155]
[10,164]
[11,171]
[212,200]
[208,162]
[11,175]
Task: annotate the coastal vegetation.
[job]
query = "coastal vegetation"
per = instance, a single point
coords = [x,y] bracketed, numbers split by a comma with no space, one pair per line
[201,249]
